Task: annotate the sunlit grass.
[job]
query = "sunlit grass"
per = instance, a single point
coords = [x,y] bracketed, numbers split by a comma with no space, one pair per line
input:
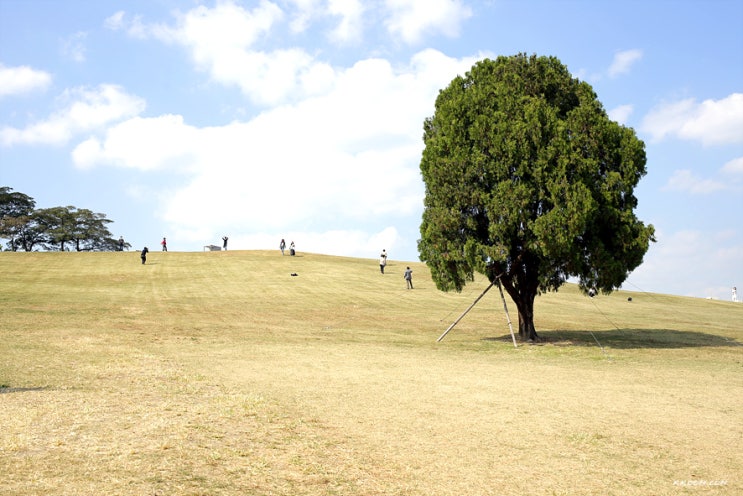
[220,373]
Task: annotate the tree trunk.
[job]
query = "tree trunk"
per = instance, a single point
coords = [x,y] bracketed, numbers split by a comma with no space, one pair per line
[527,332]
[524,300]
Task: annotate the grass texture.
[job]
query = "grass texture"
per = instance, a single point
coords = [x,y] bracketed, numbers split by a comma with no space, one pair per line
[220,373]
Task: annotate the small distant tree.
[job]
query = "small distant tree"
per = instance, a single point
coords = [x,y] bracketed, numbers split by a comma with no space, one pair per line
[57,224]
[53,228]
[90,232]
[16,211]
[528,181]
[81,229]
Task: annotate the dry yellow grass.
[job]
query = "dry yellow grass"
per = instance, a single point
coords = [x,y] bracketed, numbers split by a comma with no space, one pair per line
[219,373]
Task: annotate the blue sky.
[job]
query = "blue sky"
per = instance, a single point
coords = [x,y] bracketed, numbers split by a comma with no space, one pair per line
[302,119]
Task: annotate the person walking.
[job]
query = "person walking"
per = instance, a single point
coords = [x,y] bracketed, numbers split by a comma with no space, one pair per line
[409,277]
[143,256]
[735,294]
[224,245]
[121,243]
[282,246]
[164,242]
[292,252]
[382,261]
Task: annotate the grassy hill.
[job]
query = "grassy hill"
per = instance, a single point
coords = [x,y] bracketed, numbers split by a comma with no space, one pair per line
[221,373]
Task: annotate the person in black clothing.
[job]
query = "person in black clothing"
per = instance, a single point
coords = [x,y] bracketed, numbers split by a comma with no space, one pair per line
[143,256]
[225,238]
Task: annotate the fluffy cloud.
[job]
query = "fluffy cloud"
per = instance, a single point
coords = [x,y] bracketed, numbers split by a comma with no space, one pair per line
[715,254]
[412,19]
[350,26]
[623,62]
[621,114]
[334,147]
[221,42]
[86,110]
[141,143]
[225,41]
[685,180]
[23,79]
[730,179]
[332,242]
[734,167]
[74,46]
[713,122]
[348,156]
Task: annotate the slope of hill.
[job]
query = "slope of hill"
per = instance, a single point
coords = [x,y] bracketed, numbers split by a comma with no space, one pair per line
[223,373]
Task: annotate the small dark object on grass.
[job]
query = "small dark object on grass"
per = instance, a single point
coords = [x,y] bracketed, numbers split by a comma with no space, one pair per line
[629,299]
[293,274]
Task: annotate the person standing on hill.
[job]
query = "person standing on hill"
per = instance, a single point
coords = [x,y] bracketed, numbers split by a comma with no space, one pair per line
[292,252]
[164,242]
[143,256]
[382,261]
[121,243]
[224,245]
[409,277]
[282,247]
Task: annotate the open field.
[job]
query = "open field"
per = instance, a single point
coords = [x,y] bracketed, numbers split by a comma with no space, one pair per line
[218,373]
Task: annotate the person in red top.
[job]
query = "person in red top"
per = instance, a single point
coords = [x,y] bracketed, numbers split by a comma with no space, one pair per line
[165,244]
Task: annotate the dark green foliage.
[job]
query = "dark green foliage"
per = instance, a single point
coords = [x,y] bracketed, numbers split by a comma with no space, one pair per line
[527,179]
[16,211]
[56,228]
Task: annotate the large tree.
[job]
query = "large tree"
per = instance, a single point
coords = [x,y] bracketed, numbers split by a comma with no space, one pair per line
[529,182]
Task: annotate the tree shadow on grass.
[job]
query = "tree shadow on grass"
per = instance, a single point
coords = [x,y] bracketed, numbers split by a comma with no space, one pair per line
[630,339]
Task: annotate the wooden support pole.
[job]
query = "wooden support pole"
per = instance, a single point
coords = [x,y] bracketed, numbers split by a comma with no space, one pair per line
[508,318]
[465,313]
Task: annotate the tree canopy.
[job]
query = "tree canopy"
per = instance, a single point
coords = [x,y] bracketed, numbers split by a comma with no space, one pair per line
[56,228]
[529,182]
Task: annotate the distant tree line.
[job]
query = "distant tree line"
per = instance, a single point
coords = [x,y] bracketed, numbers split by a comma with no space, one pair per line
[52,229]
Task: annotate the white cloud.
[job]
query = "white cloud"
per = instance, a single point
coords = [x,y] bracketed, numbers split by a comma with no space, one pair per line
[221,42]
[350,27]
[141,143]
[621,114]
[88,109]
[685,180]
[412,19]
[350,242]
[22,79]
[115,22]
[305,11]
[714,257]
[225,41]
[713,122]
[331,162]
[623,62]
[335,148]
[227,27]
[74,46]
[734,167]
